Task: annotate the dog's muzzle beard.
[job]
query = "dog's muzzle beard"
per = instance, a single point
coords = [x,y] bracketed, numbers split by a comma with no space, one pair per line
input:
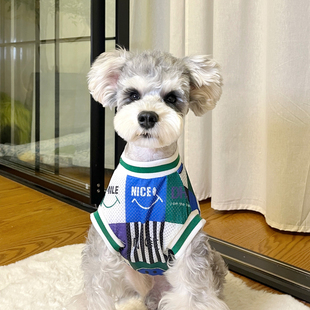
[148,124]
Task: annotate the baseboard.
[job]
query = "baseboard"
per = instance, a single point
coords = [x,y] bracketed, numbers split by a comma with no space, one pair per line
[41,185]
[278,275]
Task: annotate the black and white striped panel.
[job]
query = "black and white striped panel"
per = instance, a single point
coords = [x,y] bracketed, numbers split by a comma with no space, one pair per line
[145,242]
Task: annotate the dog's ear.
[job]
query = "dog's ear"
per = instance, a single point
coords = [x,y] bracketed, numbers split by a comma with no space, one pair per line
[205,82]
[103,76]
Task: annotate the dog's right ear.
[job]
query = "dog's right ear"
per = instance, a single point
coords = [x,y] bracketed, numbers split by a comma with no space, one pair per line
[103,76]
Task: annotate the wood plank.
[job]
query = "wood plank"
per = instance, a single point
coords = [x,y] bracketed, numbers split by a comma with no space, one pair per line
[31,222]
[249,230]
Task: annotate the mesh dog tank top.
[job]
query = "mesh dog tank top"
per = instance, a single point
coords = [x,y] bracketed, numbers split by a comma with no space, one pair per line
[148,213]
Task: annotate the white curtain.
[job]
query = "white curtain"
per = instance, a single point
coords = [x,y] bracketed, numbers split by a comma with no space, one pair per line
[253,151]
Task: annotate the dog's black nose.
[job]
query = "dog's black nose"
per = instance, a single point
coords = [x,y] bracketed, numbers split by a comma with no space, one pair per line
[147,119]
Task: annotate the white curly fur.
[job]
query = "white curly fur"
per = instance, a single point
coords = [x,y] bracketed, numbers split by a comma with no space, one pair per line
[194,280]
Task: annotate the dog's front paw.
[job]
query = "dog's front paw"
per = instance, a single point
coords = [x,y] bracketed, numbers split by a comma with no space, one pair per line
[131,304]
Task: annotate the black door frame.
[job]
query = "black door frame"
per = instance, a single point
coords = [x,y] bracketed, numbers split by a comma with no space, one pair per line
[97,111]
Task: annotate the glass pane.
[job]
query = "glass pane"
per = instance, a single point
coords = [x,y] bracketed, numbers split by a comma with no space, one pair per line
[109,141]
[109,45]
[22,18]
[45,103]
[47,20]
[74,121]
[74,18]
[5,22]
[17,67]
[46,110]
[47,92]
[110,19]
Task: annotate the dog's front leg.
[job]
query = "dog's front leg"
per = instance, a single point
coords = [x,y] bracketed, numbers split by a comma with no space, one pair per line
[196,278]
[105,278]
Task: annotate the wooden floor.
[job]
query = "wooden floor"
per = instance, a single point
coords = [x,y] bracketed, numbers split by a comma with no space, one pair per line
[249,230]
[31,222]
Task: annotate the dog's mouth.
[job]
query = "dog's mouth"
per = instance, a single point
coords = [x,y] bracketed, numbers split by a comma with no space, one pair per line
[146,135]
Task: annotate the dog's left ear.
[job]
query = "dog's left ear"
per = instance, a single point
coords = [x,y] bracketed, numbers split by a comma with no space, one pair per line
[206,83]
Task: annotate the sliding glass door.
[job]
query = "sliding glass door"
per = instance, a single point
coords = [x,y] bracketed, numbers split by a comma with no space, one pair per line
[46,47]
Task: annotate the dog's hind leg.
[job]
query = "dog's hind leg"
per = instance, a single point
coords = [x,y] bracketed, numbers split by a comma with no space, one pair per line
[105,275]
[196,279]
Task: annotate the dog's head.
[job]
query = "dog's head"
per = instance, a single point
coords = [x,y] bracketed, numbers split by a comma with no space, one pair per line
[152,92]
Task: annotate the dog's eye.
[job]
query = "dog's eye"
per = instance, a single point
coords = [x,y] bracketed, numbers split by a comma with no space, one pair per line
[134,96]
[170,98]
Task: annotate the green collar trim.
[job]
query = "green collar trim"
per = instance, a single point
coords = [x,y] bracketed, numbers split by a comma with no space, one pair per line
[153,169]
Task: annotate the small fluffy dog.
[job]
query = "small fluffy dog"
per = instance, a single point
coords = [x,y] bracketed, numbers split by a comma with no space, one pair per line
[146,240]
